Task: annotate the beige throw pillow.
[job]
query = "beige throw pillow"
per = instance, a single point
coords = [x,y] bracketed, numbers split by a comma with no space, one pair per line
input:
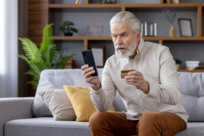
[58,104]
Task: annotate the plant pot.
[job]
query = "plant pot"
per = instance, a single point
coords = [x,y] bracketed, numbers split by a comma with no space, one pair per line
[68,34]
[172,32]
[177,66]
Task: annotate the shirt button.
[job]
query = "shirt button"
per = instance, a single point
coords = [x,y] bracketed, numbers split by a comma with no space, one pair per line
[139,97]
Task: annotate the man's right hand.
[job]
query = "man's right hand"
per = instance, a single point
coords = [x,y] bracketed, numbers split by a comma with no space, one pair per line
[93,80]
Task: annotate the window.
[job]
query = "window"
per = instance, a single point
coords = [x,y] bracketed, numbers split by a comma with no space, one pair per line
[2,36]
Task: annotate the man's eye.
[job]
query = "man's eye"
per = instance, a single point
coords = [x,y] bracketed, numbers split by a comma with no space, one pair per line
[123,35]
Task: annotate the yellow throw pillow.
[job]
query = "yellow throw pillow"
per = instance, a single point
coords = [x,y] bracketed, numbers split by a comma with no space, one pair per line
[81,102]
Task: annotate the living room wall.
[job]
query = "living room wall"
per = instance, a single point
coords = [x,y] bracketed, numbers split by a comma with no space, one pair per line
[82,17]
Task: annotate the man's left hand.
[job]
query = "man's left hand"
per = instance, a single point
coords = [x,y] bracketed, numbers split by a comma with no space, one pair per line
[136,78]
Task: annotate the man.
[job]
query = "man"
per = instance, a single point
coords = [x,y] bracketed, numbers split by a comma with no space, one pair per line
[151,92]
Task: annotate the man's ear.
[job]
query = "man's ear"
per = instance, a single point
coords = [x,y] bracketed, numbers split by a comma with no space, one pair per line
[138,36]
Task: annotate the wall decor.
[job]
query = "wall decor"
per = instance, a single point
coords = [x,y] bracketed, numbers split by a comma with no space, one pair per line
[170,15]
[99,53]
[150,29]
[185,26]
[176,1]
[95,28]
[67,28]
[77,1]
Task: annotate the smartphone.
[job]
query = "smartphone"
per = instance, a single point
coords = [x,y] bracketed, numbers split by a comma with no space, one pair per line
[89,60]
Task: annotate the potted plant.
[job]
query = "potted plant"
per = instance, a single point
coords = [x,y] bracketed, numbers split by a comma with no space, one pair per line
[67,29]
[178,62]
[45,57]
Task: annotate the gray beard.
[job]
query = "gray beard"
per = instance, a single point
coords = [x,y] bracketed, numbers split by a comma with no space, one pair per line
[129,51]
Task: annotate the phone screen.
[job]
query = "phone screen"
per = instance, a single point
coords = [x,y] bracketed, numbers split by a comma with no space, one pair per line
[89,60]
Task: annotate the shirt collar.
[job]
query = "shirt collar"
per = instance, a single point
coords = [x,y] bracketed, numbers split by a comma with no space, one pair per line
[141,44]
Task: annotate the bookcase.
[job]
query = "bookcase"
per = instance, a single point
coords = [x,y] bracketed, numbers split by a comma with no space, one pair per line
[43,12]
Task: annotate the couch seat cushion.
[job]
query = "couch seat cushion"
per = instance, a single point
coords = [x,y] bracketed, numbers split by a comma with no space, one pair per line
[194,129]
[46,126]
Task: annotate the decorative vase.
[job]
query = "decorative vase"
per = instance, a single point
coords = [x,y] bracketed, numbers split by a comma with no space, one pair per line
[177,66]
[172,32]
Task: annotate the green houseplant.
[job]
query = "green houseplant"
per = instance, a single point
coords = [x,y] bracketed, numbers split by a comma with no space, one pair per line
[178,62]
[67,29]
[45,57]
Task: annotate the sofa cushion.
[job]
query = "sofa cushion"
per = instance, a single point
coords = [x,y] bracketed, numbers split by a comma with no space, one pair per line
[192,87]
[55,79]
[81,101]
[47,126]
[59,104]
[194,129]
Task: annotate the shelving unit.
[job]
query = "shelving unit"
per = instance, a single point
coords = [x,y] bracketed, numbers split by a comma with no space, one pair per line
[186,7]
[193,71]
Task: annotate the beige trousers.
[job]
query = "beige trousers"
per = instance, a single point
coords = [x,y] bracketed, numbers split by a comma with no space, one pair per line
[150,124]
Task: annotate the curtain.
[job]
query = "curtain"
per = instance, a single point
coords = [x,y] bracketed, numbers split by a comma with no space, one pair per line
[22,32]
[8,48]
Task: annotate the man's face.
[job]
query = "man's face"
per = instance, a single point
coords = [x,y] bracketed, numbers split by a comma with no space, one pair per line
[125,41]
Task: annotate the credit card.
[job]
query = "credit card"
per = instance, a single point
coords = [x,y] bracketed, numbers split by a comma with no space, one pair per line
[124,73]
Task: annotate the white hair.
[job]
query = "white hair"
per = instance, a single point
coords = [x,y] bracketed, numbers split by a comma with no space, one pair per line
[126,16]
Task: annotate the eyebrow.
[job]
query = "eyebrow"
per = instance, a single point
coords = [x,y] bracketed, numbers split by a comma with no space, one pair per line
[120,33]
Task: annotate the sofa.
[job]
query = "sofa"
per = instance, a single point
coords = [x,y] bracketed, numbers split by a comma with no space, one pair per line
[17,119]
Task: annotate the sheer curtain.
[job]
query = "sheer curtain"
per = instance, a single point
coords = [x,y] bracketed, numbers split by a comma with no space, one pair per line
[8,48]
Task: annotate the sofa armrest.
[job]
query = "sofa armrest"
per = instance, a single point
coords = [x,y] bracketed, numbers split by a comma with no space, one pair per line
[14,108]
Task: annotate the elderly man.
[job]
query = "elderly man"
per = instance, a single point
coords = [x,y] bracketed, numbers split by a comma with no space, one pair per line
[150,92]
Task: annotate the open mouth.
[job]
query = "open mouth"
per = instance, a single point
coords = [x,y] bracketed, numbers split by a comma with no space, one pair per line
[121,49]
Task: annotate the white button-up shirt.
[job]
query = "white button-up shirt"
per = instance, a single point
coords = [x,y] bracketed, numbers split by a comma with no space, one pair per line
[157,65]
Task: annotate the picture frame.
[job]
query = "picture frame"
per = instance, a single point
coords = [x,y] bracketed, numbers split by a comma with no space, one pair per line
[185,25]
[108,1]
[77,1]
[99,53]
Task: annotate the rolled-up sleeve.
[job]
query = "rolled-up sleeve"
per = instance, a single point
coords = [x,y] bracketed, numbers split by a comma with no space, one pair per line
[168,91]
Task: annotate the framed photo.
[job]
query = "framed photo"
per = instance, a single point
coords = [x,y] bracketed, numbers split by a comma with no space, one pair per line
[108,1]
[99,52]
[186,29]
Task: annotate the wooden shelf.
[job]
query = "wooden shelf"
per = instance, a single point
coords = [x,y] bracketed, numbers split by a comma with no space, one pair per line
[193,71]
[125,5]
[182,38]
[107,38]
[85,6]
[68,37]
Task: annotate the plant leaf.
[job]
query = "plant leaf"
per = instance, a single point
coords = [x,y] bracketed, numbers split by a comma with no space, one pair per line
[31,50]
[74,30]
[48,47]
[68,23]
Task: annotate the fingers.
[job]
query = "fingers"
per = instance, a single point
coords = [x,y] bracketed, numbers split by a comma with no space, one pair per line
[133,77]
[89,73]
[134,73]
[84,67]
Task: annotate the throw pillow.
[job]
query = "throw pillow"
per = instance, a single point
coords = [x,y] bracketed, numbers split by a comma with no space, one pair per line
[81,102]
[59,104]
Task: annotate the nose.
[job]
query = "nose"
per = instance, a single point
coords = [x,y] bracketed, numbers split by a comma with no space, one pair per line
[118,41]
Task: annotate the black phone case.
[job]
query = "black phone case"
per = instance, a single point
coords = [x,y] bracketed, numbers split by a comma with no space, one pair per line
[89,59]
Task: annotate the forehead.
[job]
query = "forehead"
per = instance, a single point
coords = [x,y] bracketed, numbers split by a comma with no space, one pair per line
[120,27]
